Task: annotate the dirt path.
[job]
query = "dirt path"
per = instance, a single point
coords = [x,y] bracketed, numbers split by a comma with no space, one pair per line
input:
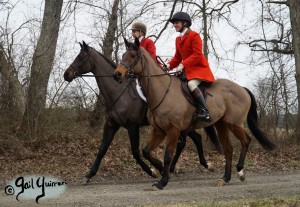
[195,188]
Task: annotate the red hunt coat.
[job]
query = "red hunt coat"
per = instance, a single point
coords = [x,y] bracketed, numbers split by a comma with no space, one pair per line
[189,54]
[148,44]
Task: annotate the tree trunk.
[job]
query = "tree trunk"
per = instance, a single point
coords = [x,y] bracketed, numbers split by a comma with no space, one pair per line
[107,49]
[43,59]
[294,7]
[111,30]
[17,97]
[205,33]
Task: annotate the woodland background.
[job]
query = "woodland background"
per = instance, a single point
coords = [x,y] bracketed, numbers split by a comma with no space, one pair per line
[48,126]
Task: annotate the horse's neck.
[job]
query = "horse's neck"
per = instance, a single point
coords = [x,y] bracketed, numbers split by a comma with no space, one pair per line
[154,81]
[109,88]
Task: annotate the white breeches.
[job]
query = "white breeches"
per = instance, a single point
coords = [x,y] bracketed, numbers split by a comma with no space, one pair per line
[192,84]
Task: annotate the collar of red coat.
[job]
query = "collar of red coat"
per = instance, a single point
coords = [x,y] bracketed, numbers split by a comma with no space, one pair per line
[186,31]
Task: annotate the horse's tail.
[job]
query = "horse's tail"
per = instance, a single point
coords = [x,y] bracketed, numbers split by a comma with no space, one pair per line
[252,120]
[211,132]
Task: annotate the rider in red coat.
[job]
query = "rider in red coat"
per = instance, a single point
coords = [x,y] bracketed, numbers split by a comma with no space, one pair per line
[189,58]
[139,30]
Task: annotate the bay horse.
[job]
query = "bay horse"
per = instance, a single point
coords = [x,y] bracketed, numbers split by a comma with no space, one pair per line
[132,113]
[230,105]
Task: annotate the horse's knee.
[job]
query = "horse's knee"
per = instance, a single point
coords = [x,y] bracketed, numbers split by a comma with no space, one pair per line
[167,158]
[182,141]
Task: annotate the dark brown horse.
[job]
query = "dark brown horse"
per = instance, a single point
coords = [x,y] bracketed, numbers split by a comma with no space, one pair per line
[230,106]
[132,113]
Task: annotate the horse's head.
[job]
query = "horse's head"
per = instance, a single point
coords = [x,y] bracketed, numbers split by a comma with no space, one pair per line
[81,65]
[130,63]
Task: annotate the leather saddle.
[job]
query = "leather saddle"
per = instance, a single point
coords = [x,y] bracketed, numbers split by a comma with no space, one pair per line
[188,95]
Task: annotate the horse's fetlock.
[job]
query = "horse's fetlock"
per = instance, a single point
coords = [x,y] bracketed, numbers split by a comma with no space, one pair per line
[239,168]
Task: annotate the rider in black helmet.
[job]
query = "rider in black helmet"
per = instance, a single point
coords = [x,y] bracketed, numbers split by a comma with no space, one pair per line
[183,17]
[190,59]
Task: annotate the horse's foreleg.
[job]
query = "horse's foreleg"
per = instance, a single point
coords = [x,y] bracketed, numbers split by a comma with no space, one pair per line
[245,140]
[155,139]
[134,136]
[180,146]
[223,134]
[110,129]
[171,142]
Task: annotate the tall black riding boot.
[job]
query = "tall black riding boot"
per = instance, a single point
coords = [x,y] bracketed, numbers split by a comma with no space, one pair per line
[203,113]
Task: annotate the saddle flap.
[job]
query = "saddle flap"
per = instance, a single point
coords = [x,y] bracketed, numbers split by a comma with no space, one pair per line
[187,93]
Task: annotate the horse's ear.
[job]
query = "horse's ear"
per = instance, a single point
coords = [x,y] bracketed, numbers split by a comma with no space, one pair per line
[126,43]
[80,45]
[137,42]
[85,46]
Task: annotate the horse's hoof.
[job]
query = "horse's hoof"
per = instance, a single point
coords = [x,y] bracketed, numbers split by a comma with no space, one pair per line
[241,175]
[85,181]
[210,167]
[152,188]
[158,185]
[220,182]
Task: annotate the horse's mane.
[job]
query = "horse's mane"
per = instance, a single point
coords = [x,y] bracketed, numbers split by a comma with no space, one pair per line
[106,58]
[134,47]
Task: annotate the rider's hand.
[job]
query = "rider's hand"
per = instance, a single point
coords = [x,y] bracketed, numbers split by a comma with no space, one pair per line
[179,68]
[166,67]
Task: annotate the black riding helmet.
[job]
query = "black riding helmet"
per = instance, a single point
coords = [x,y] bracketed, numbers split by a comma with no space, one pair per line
[181,16]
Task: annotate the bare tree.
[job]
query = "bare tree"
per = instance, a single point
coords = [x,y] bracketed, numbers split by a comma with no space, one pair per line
[107,48]
[16,98]
[281,48]
[9,65]
[294,7]
[40,71]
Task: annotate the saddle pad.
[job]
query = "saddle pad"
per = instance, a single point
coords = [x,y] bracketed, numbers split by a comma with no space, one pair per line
[186,92]
[188,95]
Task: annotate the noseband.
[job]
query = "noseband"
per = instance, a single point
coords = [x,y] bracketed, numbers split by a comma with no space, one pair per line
[83,61]
[130,72]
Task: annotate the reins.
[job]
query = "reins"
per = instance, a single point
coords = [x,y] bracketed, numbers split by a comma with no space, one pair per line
[133,75]
[86,75]
[104,103]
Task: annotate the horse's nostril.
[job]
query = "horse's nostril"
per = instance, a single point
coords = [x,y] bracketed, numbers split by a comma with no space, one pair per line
[66,76]
[117,76]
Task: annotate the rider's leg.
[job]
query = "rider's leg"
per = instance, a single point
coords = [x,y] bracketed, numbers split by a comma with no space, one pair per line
[203,113]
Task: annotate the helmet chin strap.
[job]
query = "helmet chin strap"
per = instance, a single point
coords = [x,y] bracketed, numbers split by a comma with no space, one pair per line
[183,26]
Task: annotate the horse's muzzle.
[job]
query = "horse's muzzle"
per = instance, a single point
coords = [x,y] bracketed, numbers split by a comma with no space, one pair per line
[117,76]
[69,75]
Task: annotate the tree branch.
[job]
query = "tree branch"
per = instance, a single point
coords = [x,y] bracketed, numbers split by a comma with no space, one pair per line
[166,24]
[277,2]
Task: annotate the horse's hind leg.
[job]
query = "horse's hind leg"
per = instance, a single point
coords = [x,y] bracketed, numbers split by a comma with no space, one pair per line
[180,146]
[245,140]
[223,134]
[197,139]
[155,139]
[110,129]
[134,136]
